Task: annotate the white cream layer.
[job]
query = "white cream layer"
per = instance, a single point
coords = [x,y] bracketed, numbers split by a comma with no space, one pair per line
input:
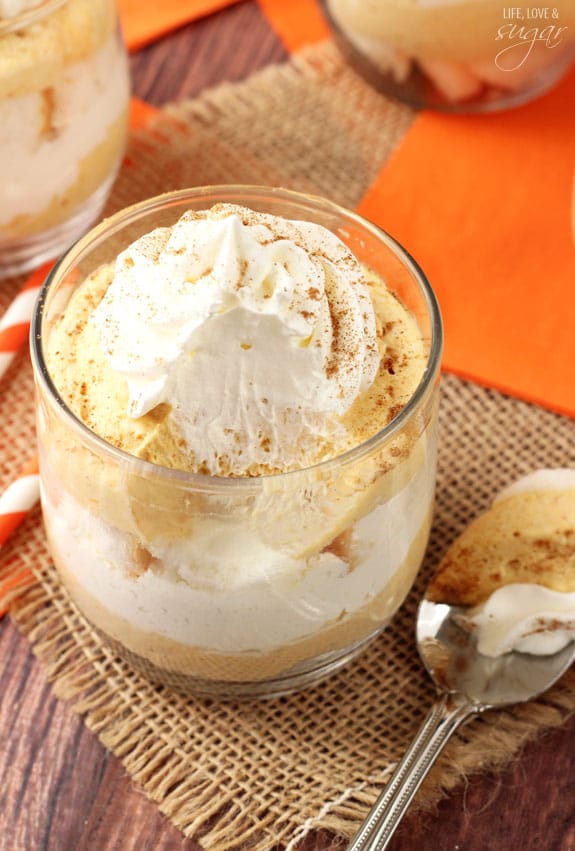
[223,588]
[524,617]
[35,166]
[527,617]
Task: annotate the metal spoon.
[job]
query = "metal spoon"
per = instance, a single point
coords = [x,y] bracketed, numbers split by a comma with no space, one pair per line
[467,683]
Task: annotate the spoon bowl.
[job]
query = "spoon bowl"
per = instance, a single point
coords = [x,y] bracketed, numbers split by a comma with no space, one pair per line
[467,683]
[450,654]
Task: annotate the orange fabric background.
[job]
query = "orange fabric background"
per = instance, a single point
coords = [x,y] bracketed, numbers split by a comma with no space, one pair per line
[140,113]
[484,205]
[296,22]
[143,21]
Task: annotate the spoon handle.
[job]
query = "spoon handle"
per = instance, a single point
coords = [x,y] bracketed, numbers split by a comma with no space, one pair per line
[443,719]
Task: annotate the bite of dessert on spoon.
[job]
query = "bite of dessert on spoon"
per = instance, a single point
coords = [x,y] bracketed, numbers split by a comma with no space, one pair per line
[496,626]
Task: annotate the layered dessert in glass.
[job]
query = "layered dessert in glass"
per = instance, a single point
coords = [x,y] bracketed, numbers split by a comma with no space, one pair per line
[237,393]
[64,98]
[456,55]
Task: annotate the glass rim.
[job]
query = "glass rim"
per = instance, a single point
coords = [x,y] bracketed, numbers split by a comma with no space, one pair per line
[29,16]
[222,192]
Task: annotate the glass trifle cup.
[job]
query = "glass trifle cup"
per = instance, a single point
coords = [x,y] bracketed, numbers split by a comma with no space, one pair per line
[208,577]
[64,101]
[456,55]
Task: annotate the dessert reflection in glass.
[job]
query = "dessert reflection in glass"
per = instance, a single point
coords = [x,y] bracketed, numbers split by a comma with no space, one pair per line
[64,97]
[456,55]
[237,393]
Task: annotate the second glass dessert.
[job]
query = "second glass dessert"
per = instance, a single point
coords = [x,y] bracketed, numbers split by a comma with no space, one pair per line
[236,406]
[456,55]
[64,99]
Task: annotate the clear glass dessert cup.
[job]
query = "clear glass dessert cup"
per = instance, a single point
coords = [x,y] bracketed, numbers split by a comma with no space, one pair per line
[462,56]
[64,100]
[238,587]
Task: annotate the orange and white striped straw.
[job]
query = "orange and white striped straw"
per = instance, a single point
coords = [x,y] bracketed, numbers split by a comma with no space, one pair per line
[15,505]
[18,499]
[23,493]
[15,324]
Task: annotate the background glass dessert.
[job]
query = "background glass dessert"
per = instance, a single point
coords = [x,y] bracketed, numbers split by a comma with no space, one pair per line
[456,55]
[264,579]
[64,96]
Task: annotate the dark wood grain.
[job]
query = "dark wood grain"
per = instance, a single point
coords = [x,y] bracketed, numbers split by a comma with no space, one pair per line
[224,47]
[61,790]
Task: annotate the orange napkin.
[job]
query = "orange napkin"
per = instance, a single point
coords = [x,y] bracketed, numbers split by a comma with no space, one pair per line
[143,21]
[140,113]
[296,22]
[484,205]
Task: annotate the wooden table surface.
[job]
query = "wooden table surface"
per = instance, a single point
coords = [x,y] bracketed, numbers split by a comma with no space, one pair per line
[62,791]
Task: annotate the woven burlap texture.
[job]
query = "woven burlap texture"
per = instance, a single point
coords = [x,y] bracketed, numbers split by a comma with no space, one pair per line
[262,775]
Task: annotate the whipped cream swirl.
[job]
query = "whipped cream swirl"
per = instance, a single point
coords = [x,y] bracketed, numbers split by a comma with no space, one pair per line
[258,332]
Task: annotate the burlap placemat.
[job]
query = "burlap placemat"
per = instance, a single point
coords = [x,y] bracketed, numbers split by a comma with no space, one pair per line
[262,775]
